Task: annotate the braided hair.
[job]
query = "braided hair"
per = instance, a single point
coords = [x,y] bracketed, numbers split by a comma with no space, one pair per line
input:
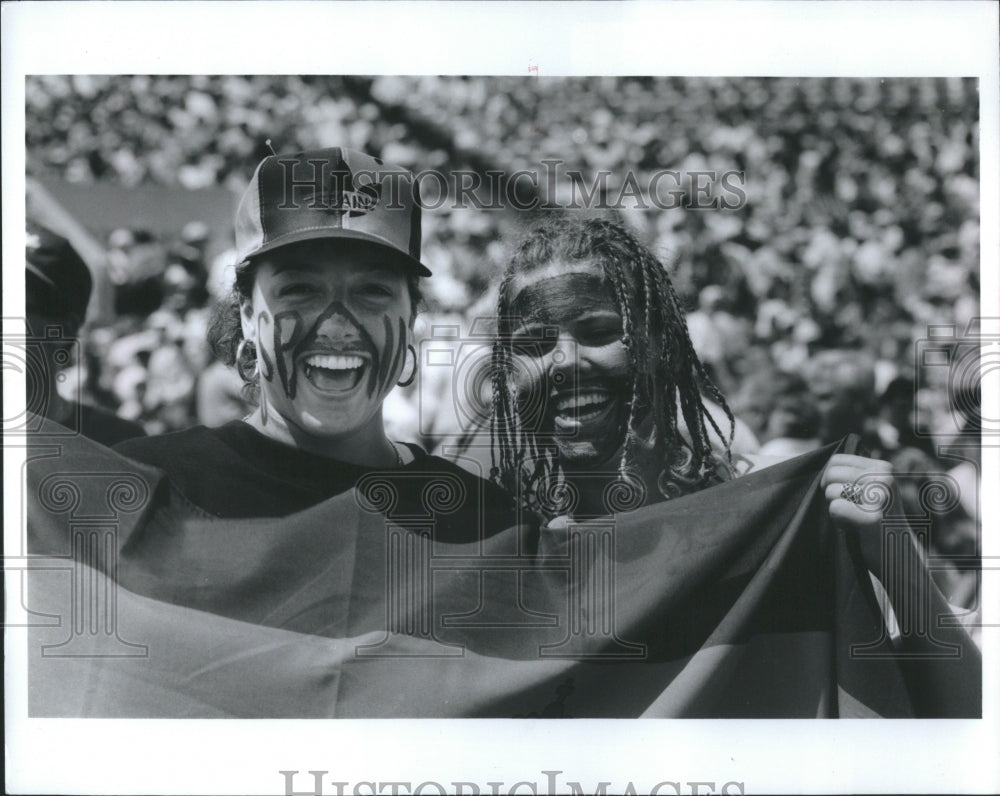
[669,383]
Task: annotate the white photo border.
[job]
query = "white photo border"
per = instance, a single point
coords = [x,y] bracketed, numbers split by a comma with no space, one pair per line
[883,39]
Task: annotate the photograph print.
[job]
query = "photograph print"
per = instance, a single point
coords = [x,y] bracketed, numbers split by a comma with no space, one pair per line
[398,396]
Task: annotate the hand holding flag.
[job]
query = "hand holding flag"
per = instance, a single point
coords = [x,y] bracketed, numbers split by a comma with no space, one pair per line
[858,490]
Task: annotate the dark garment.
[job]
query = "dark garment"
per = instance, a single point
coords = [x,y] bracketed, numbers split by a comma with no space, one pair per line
[738,601]
[234,471]
[107,428]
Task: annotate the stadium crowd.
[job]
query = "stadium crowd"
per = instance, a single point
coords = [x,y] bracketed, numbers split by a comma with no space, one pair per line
[808,302]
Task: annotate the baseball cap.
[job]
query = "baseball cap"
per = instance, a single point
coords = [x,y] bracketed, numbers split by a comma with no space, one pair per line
[57,280]
[330,193]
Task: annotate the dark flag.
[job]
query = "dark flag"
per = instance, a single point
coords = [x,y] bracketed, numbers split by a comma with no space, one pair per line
[739,601]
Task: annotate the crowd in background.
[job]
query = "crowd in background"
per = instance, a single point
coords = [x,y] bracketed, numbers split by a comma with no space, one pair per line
[860,227]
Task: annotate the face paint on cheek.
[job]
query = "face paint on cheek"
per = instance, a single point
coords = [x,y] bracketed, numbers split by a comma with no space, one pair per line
[379,373]
[266,366]
[561,299]
[389,361]
[287,334]
[402,346]
[582,305]
[344,333]
[263,407]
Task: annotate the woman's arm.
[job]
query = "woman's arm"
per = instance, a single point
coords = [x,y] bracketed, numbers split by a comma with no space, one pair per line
[935,652]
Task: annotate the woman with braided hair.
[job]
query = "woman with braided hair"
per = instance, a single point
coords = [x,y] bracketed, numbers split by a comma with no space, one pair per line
[602,407]
[595,380]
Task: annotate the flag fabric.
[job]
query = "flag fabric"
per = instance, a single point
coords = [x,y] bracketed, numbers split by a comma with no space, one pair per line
[738,601]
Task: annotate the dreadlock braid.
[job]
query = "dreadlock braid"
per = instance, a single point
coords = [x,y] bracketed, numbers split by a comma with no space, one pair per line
[704,380]
[632,343]
[502,419]
[668,383]
[519,463]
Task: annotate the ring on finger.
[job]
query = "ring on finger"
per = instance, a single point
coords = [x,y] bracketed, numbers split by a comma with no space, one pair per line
[852,492]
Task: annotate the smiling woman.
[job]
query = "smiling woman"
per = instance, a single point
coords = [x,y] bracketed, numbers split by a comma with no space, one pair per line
[598,390]
[342,574]
[595,376]
[320,327]
[588,401]
[602,408]
[331,323]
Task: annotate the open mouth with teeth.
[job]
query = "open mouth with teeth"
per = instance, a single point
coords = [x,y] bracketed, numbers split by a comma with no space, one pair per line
[334,372]
[573,411]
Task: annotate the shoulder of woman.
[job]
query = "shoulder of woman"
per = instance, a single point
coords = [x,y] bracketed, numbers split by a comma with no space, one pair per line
[744,440]
[161,444]
[751,462]
[431,463]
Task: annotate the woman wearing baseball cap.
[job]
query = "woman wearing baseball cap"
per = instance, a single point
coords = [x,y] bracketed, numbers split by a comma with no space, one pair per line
[320,327]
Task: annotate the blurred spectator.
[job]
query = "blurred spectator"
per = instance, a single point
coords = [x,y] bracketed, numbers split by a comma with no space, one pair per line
[169,394]
[753,401]
[220,396]
[897,420]
[959,539]
[859,229]
[186,277]
[136,262]
[842,384]
[57,290]
[717,335]
[779,409]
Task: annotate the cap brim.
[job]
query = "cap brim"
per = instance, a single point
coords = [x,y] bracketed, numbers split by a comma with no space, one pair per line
[402,258]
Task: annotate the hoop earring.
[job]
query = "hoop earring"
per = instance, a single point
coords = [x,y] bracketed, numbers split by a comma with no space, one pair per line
[413,375]
[240,364]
